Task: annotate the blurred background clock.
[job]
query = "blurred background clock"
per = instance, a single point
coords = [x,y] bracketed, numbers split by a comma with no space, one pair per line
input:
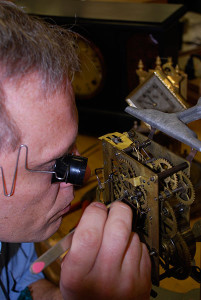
[88,82]
[120,33]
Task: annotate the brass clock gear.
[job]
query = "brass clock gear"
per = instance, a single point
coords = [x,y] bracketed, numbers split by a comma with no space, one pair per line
[160,165]
[177,257]
[122,169]
[136,196]
[181,258]
[187,196]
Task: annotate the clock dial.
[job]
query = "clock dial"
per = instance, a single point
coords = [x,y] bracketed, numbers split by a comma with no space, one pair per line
[156,93]
[89,80]
[157,98]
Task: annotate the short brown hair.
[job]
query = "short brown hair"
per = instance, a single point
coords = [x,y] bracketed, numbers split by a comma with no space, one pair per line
[29,44]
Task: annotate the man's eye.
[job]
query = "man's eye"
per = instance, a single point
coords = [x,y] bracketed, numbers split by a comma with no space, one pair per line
[52,167]
[47,167]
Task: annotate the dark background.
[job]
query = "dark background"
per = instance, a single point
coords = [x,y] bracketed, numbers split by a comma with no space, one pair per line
[193,5]
[151,30]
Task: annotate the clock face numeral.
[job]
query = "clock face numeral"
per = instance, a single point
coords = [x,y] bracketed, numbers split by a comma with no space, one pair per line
[88,81]
[155,97]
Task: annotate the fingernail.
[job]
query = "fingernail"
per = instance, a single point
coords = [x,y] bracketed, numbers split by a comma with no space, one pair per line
[99,205]
[120,204]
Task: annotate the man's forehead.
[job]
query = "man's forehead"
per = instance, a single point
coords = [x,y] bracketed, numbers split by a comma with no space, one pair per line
[65,144]
[34,85]
[48,125]
[57,136]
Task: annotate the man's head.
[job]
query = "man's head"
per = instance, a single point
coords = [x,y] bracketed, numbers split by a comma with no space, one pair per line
[37,109]
[29,45]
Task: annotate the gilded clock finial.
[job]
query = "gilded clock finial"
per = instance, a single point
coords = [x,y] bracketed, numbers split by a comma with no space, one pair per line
[140,72]
[140,65]
[158,63]
[177,69]
[169,60]
[174,77]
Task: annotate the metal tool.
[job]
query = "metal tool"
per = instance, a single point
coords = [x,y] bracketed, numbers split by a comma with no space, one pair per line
[172,124]
[52,254]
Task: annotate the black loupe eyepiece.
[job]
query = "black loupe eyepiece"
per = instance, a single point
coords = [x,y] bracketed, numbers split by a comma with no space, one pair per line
[70,169]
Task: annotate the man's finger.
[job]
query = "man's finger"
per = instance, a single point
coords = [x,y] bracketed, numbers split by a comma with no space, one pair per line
[132,258]
[116,236]
[145,264]
[86,241]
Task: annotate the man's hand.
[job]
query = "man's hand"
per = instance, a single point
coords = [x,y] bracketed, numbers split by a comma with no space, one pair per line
[106,260]
[44,290]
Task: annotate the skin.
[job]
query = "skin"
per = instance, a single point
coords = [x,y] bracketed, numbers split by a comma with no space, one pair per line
[49,131]
[106,260]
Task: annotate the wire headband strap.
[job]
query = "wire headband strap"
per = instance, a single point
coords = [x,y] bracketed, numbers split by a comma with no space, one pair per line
[15,172]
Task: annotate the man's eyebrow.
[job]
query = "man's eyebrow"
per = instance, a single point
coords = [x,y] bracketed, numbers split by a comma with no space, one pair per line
[64,152]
